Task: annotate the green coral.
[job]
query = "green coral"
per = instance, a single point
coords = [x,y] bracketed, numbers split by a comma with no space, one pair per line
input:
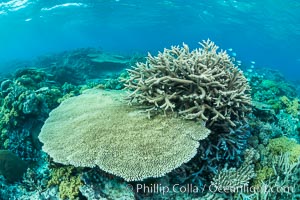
[68,181]
[262,174]
[281,145]
[69,189]
[291,106]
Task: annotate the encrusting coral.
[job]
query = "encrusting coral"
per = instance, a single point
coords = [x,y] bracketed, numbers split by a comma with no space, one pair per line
[202,83]
[98,128]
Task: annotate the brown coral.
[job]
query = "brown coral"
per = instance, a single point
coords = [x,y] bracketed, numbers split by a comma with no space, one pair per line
[202,83]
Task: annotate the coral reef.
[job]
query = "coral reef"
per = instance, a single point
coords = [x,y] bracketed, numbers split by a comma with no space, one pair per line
[83,65]
[117,137]
[273,129]
[282,183]
[268,86]
[202,83]
[24,107]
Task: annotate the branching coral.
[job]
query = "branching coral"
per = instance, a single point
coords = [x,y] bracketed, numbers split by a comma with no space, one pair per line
[233,179]
[202,83]
[229,182]
[284,181]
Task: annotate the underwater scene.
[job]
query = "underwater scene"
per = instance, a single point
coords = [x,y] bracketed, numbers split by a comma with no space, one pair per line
[154,100]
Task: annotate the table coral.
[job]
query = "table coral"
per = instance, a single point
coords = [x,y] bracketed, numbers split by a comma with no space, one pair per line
[98,128]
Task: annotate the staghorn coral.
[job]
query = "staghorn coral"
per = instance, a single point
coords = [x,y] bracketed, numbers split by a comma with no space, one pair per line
[202,83]
[233,179]
[283,183]
[228,183]
[99,129]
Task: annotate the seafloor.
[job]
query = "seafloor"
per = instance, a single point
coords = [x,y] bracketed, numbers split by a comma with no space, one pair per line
[34,88]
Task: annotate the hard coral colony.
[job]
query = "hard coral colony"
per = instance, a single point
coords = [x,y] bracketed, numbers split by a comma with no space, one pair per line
[202,84]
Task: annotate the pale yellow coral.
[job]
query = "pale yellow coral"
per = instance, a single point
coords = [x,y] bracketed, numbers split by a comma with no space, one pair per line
[68,184]
[291,107]
[98,128]
[282,145]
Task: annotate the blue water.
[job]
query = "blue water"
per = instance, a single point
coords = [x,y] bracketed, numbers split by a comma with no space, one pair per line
[264,31]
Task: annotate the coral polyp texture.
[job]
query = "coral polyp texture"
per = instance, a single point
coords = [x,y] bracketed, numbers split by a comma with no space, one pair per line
[98,128]
[202,83]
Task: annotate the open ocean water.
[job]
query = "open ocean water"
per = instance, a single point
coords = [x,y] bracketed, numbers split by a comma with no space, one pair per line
[55,57]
